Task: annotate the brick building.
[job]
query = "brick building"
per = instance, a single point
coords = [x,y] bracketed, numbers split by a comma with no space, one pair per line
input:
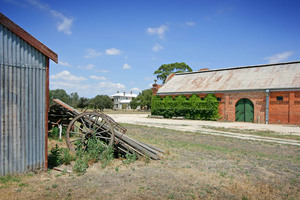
[262,94]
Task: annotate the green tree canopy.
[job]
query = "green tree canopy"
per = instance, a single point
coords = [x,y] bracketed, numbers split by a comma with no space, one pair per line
[143,99]
[83,102]
[74,99]
[60,94]
[166,69]
[101,102]
[134,103]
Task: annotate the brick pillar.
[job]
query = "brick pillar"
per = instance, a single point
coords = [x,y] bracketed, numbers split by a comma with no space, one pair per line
[226,107]
[291,107]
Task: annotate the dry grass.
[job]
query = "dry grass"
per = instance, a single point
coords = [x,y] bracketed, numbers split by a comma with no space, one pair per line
[256,132]
[196,167]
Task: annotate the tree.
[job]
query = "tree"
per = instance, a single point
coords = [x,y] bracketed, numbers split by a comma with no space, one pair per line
[143,99]
[166,69]
[74,99]
[83,102]
[60,94]
[101,102]
[134,103]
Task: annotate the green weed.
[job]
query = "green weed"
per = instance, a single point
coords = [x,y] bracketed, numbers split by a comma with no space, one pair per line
[81,164]
[107,156]
[23,184]
[54,158]
[59,156]
[129,158]
[9,178]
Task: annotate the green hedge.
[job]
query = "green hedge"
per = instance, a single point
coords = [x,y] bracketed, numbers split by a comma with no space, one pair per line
[194,108]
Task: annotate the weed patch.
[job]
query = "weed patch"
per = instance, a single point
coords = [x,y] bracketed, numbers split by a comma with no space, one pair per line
[129,158]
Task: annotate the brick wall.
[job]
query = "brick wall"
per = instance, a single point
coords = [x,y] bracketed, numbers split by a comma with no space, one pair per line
[286,111]
[229,100]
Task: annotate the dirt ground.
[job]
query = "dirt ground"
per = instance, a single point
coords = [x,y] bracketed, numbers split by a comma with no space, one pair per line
[194,125]
[196,166]
[283,134]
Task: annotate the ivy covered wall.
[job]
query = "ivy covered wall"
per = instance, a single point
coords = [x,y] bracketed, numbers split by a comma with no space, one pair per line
[192,108]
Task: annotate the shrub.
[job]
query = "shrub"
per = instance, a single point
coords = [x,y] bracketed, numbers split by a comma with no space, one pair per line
[54,134]
[107,156]
[129,158]
[54,158]
[194,108]
[93,150]
[81,164]
[66,157]
[59,156]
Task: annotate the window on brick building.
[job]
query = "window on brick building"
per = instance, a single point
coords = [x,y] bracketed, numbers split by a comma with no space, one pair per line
[279,98]
[202,98]
[219,98]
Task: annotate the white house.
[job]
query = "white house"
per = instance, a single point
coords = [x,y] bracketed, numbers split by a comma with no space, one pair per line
[122,100]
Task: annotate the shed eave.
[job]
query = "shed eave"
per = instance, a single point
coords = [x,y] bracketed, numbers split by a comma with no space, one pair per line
[229,91]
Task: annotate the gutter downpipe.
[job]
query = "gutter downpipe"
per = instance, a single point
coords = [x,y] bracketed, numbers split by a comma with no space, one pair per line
[267,105]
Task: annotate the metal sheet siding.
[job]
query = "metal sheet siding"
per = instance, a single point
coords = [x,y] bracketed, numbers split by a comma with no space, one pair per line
[279,76]
[22,109]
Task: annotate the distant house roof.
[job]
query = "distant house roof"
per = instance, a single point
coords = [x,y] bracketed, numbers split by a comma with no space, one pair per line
[280,76]
[122,95]
[27,37]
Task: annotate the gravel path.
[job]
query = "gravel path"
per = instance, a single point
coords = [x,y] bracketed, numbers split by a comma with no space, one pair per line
[197,126]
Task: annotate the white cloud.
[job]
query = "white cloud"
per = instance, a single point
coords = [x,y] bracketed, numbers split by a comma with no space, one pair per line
[113,51]
[90,53]
[150,85]
[136,89]
[157,47]
[160,31]
[190,23]
[87,67]
[67,76]
[126,66]
[65,23]
[66,64]
[109,87]
[279,57]
[76,86]
[98,77]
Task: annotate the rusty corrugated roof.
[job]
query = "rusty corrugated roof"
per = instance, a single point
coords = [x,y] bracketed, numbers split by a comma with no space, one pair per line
[278,76]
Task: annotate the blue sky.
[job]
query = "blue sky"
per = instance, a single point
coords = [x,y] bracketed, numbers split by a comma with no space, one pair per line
[116,45]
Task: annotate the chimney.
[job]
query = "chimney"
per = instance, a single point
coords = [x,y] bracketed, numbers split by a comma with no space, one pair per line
[131,92]
[124,93]
[117,92]
[203,69]
[155,87]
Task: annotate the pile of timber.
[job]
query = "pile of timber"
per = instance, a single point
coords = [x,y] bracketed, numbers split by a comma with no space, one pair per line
[122,143]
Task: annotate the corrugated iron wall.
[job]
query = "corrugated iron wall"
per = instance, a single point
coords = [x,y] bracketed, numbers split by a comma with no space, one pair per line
[22,108]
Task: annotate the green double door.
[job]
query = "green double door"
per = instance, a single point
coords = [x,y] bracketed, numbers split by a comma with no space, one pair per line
[244,111]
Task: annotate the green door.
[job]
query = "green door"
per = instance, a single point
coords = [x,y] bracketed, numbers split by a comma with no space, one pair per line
[244,111]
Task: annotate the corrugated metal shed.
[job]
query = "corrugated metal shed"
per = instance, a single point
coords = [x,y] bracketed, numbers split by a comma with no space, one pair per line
[281,76]
[24,76]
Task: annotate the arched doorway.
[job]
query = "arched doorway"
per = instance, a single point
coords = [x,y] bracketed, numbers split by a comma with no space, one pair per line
[244,111]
